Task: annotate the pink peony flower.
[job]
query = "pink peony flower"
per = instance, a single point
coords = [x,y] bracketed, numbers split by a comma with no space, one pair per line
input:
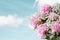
[53,16]
[34,21]
[56,27]
[42,30]
[46,9]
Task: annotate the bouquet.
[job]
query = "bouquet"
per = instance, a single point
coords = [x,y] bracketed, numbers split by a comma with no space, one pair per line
[47,22]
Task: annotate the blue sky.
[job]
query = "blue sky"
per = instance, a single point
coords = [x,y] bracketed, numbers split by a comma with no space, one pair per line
[14,20]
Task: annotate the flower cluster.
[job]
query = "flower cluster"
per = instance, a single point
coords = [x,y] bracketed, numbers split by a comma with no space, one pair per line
[47,22]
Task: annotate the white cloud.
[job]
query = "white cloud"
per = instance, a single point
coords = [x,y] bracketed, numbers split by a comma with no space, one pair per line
[28,23]
[41,2]
[30,26]
[10,20]
[34,5]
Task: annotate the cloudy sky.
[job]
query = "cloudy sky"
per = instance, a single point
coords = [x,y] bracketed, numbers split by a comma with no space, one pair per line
[14,20]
